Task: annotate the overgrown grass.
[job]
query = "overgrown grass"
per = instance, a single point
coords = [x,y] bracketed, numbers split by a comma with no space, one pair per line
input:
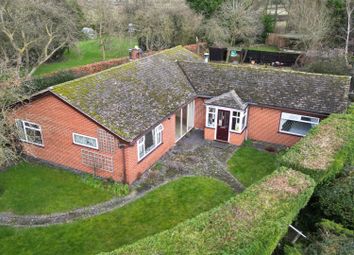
[87,52]
[155,212]
[30,188]
[249,165]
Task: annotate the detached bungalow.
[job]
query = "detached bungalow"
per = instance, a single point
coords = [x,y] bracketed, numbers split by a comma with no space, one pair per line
[121,121]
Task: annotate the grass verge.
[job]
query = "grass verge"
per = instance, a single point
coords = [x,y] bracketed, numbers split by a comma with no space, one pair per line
[157,211]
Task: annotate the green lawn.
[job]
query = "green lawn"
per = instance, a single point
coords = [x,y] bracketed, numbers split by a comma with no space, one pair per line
[30,188]
[155,212]
[87,52]
[249,165]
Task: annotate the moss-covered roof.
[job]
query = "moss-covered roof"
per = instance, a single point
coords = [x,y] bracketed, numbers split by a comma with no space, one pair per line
[131,98]
[320,93]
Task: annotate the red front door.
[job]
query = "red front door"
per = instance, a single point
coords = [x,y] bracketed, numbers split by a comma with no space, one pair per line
[222,129]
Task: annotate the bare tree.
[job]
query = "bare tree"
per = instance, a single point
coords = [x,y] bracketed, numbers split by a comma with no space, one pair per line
[311,21]
[240,21]
[10,92]
[101,14]
[165,24]
[35,30]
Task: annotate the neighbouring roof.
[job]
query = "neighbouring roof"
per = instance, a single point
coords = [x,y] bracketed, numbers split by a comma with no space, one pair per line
[229,99]
[131,98]
[320,93]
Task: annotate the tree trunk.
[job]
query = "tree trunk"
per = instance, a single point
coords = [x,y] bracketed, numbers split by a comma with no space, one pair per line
[349,28]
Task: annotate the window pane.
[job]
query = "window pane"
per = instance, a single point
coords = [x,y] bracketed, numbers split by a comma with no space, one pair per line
[20,129]
[233,124]
[85,141]
[295,127]
[149,141]
[34,136]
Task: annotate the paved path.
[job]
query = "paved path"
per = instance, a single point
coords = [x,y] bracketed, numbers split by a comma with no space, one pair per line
[192,156]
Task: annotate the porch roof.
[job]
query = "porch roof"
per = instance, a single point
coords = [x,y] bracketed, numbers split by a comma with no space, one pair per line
[229,99]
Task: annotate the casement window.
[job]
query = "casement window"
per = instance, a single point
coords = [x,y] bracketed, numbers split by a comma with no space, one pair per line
[297,124]
[85,141]
[238,121]
[30,132]
[149,142]
[211,117]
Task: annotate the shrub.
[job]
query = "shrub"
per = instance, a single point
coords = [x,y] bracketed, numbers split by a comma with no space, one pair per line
[331,239]
[251,223]
[41,83]
[118,189]
[336,65]
[325,150]
[268,26]
[336,200]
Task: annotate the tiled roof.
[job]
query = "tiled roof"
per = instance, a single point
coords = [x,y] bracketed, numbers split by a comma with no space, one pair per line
[320,93]
[229,100]
[131,98]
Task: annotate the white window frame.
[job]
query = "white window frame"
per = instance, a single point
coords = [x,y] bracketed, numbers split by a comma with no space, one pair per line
[85,145]
[297,118]
[157,132]
[243,115]
[208,112]
[26,140]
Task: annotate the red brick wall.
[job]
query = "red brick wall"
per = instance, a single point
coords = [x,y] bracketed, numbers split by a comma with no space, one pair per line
[236,138]
[58,121]
[199,117]
[209,133]
[135,168]
[263,125]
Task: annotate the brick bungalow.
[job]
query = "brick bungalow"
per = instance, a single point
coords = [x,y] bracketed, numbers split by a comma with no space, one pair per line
[119,122]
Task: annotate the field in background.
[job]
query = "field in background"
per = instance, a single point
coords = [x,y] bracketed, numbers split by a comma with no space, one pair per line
[88,52]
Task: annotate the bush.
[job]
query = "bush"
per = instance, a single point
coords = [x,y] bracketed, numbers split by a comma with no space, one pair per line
[325,150]
[251,223]
[331,239]
[335,65]
[336,200]
[268,26]
[41,83]
[118,189]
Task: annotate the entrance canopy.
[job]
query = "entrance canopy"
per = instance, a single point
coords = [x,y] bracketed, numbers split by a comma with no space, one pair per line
[228,100]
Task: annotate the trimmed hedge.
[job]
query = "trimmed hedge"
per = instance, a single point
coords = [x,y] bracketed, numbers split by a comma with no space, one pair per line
[325,150]
[250,223]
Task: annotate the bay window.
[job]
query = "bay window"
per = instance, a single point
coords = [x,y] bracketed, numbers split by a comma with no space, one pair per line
[29,132]
[149,141]
[297,124]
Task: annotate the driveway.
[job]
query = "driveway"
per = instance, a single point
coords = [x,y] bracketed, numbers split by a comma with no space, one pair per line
[192,156]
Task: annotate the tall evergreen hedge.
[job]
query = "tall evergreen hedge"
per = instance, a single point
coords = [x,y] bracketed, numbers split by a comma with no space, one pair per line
[250,223]
[325,151]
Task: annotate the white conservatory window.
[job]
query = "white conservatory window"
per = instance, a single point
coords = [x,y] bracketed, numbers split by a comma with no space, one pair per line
[297,124]
[238,121]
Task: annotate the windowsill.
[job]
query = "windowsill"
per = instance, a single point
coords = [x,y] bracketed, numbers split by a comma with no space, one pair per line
[94,148]
[290,133]
[147,154]
[210,127]
[36,144]
[238,132]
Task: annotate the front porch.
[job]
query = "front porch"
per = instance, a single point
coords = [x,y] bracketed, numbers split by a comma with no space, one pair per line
[192,156]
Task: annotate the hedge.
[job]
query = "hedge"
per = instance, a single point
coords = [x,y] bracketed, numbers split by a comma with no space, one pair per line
[325,150]
[253,222]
